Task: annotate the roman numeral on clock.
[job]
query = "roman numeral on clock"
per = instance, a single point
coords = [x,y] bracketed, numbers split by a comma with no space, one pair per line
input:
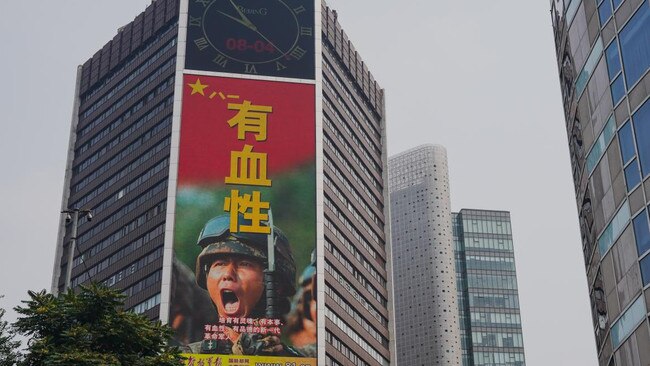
[299,9]
[195,21]
[306,31]
[250,69]
[220,60]
[298,53]
[201,43]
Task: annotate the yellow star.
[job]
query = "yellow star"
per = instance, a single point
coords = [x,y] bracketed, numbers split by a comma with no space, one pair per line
[197,87]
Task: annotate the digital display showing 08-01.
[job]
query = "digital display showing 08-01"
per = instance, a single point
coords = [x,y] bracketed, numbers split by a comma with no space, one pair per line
[258,37]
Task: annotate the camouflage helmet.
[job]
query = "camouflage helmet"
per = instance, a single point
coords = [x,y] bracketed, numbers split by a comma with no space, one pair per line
[216,240]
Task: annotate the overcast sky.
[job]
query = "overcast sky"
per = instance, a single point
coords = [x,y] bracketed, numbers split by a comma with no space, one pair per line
[478,77]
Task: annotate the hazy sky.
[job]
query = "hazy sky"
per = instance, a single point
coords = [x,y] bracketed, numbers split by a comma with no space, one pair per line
[478,77]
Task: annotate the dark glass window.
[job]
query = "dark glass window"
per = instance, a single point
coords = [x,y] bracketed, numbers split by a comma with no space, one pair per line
[632,175]
[618,89]
[613,60]
[604,11]
[642,232]
[645,269]
[626,140]
[635,44]
[641,121]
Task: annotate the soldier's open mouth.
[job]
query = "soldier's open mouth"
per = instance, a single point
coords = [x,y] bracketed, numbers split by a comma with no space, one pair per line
[230,301]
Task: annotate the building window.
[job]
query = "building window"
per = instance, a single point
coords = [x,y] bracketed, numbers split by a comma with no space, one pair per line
[635,44]
[641,121]
[628,322]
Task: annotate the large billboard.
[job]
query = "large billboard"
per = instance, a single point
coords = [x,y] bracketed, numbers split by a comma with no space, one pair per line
[243,288]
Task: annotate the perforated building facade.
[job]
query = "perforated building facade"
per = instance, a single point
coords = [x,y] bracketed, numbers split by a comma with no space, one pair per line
[426,310]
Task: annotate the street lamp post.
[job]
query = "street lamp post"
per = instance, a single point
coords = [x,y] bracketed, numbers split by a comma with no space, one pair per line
[73,215]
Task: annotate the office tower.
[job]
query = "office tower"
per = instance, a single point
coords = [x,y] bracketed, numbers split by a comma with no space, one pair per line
[155,176]
[488,300]
[426,311]
[603,55]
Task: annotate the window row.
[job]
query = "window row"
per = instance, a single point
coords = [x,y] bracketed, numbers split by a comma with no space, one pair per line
[499,358]
[504,282]
[119,175]
[133,267]
[352,98]
[343,159]
[600,145]
[481,319]
[345,351]
[340,69]
[353,173]
[488,243]
[138,287]
[490,339]
[137,243]
[483,300]
[354,314]
[141,140]
[132,59]
[490,263]
[355,337]
[348,244]
[487,226]
[351,152]
[353,136]
[148,304]
[357,235]
[353,291]
[348,265]
[121,213]
[352,192]
[628,322]
[351,188]
[366,285]
[162,146]
[357,215]
[127,98]
[339,118]
[129,78]
[360,258]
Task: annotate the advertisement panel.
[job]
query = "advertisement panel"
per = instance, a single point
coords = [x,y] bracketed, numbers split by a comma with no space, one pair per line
[243,288]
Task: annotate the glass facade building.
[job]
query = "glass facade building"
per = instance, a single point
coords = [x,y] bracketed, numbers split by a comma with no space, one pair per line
[488,300]
[603,57]
[119,166]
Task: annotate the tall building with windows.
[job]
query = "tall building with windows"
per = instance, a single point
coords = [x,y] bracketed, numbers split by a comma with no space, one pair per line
[488,300]
[426,311]
[123,165]
[603,57]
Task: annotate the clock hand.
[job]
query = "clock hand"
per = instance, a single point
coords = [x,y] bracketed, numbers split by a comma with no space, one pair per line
[269,41]
[245,23]
[241,14]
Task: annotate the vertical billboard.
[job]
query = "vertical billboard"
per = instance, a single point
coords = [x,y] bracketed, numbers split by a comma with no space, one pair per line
[243,283]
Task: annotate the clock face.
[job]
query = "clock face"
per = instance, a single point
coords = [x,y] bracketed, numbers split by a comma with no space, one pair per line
[258,37]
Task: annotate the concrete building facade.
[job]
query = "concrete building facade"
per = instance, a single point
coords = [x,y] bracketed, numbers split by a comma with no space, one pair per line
[119,166]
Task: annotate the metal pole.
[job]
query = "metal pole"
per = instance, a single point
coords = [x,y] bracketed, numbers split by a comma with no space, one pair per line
[269,273]
[72,248]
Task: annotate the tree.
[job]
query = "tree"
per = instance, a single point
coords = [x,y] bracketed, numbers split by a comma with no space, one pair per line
[9,354]
[90,328]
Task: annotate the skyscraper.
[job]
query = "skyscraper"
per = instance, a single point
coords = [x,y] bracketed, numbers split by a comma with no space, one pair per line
[488,299]
[603,56]
[426,310]
[154,111]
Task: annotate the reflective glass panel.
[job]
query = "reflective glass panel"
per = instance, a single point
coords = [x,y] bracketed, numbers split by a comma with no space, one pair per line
[642,232]
[641,121]
[617,3]
[614,229]
[632,175]
[626,140]
[590,65]
[645,269]
[613,60]
[635,44]
[618,89]
[601,144]
[604,12]
[628,322]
